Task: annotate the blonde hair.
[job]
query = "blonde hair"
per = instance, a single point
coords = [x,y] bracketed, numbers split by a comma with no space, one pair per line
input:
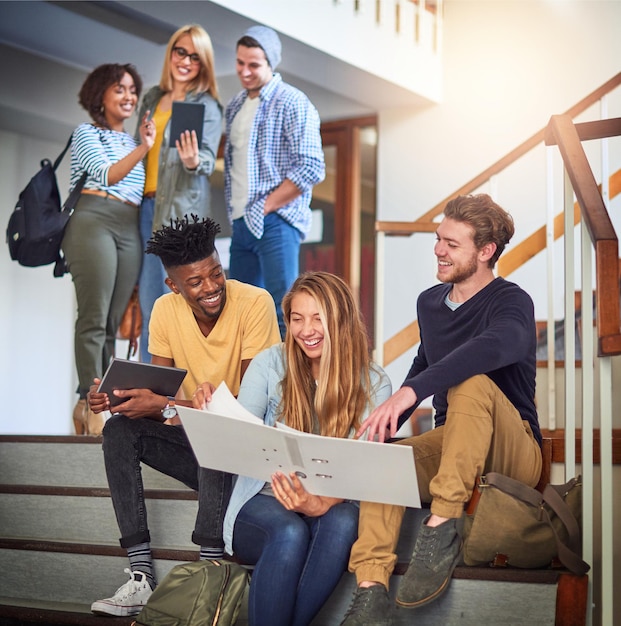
[342,393]
[205,81]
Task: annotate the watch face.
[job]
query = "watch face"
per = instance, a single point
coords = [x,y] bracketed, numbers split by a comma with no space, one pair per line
[169,412]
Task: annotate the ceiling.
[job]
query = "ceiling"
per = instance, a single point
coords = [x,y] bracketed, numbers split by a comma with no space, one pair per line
[77,36]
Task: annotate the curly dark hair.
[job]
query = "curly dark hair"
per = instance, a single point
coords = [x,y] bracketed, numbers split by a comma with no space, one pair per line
[183,242]
[94,87]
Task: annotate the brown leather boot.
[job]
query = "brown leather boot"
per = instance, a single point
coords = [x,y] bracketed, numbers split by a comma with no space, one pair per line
[94,422]
[79,417]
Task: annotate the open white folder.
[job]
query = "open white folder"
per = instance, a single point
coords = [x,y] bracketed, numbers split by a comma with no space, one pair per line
[227,437]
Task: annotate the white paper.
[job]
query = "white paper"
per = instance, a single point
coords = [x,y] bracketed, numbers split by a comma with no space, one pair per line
[233,440]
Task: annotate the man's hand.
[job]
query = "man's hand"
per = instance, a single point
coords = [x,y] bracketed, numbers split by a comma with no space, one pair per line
[139,403]
[97,402]
[383,420]
[292,494]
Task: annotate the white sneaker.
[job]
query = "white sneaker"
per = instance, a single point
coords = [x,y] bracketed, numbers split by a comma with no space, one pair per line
[128,599]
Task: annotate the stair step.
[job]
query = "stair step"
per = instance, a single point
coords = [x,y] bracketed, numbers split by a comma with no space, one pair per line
[91,519]
[64,462]
[72,577]
[466,603]
[59,549]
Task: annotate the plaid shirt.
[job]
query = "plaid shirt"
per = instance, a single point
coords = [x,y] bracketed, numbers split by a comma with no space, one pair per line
[284,143]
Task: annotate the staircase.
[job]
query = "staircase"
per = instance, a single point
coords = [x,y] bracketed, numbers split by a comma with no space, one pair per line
[59,549]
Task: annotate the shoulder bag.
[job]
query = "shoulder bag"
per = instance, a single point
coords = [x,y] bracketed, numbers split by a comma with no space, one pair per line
[510,523]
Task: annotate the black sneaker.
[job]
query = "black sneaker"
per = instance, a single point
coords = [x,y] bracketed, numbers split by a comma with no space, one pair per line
[371,606]
[436,553]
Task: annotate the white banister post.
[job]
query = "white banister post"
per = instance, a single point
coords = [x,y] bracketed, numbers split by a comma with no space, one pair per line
[550,331]
[380,240]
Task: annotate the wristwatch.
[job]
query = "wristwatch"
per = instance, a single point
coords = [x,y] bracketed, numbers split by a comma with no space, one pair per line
[169,410]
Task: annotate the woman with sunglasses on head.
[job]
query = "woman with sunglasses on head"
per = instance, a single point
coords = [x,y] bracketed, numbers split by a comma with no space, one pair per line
[320,381]
[177,168]
[102,244]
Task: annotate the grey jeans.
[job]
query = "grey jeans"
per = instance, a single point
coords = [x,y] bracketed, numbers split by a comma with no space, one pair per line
[127,443]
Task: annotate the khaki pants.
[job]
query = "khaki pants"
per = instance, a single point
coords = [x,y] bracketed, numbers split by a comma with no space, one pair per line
[483,433]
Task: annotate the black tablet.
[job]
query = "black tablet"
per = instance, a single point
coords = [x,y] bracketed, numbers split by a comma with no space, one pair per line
[122,374]
[186,116]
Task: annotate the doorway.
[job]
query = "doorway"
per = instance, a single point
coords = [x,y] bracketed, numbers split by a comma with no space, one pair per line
[342,240]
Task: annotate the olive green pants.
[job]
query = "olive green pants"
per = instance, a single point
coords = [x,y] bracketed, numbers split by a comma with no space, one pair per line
[103,250]
[483,433]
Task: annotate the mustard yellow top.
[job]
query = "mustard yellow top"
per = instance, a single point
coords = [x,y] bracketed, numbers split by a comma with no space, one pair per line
[246,326]
[160,118]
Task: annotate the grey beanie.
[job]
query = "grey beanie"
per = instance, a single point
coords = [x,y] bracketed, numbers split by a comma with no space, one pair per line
[269,42]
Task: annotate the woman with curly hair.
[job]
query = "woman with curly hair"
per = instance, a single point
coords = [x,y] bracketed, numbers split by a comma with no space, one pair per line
[102,244]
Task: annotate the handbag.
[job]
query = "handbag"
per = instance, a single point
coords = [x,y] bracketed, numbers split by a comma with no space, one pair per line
[201,593]
[37,225]
[131,322]
[510,523]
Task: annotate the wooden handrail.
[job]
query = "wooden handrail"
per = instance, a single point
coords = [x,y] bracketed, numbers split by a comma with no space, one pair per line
[609,342]
[562,132]
[425,222]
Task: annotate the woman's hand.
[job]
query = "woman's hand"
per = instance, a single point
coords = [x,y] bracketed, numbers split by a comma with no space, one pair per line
[147,131]
[187,145]
[292,494]
[202,396]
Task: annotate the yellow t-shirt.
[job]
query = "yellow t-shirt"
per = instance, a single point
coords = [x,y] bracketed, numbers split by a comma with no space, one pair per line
[160,119]
[246,326]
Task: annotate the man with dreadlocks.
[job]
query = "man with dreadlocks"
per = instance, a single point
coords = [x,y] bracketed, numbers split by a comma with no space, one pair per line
[212,328]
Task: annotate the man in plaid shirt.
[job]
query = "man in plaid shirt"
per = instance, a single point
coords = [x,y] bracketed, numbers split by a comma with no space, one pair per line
[273,157]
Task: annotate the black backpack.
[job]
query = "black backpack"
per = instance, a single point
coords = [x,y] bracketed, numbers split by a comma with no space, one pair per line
[37,224]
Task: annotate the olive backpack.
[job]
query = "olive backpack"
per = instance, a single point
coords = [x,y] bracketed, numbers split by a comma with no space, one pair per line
[201,593]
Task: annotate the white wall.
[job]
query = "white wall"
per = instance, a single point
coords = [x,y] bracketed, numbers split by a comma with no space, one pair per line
[37,375]
[508,66]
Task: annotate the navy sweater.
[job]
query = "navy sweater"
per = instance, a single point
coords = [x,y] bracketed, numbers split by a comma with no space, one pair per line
[492,333]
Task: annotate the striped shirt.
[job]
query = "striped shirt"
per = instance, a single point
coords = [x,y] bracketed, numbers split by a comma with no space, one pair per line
[95,150]
[285,142]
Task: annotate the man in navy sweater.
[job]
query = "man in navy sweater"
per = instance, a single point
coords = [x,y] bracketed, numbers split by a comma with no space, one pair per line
[477,359]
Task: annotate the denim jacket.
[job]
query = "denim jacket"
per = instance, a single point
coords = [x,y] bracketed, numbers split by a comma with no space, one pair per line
[181,191]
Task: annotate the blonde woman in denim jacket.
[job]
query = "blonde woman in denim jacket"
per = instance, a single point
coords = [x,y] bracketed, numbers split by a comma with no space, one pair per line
[321,381]
[177,175]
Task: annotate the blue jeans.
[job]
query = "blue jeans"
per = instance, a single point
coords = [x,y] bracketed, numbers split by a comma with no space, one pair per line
[127,443]
[272,262]
[151,283]
[298,559]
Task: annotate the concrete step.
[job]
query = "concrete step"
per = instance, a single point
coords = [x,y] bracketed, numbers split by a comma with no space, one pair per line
[59,549]
[64,461]
[466,603]
[90,519]
[65,577]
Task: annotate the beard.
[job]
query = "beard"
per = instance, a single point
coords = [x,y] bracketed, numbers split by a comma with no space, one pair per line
[460,273]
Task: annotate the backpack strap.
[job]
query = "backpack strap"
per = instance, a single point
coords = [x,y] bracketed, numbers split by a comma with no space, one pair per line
[60,157]
[60,266]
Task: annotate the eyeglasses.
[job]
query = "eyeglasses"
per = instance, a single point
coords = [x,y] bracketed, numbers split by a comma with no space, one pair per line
[182,53]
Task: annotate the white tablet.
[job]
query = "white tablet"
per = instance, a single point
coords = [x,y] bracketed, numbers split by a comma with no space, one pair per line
[123,374]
